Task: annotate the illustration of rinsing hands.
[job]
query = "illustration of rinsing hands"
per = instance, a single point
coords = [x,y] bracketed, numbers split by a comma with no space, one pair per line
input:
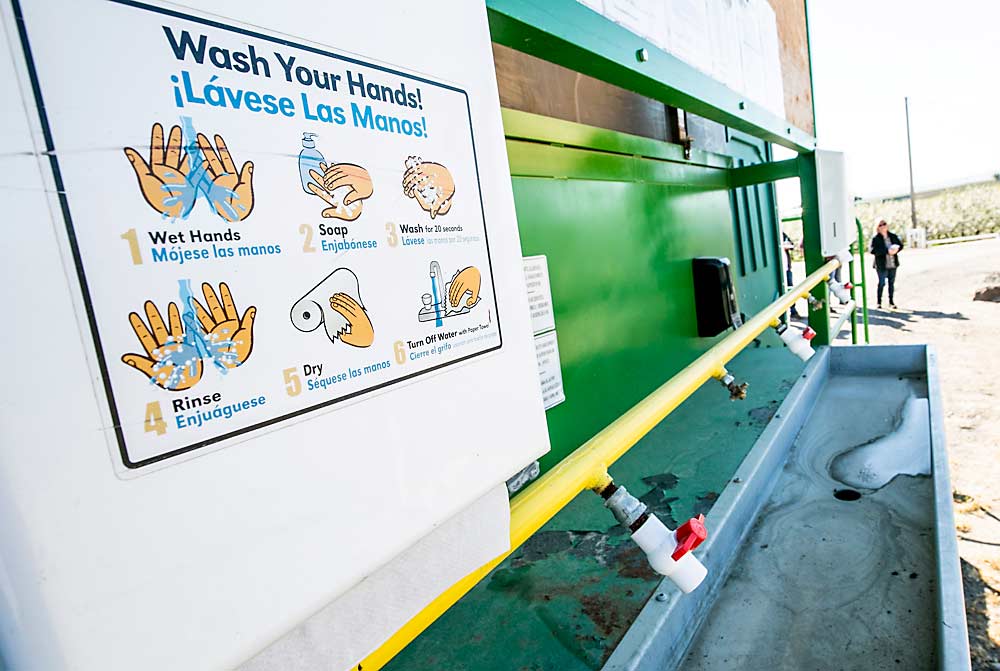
[169,362]
[235,201]
[359,332]
[430,184]
[163,179]
[229,338]
[465,281]
[348,205]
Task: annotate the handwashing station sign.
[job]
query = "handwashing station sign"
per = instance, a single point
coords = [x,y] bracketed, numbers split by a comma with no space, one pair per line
[260,228]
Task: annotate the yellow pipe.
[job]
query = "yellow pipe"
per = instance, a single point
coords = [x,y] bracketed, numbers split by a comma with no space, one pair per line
[587,466]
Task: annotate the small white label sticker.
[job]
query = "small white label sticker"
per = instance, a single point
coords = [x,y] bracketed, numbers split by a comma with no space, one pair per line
[536,277]
[549,369]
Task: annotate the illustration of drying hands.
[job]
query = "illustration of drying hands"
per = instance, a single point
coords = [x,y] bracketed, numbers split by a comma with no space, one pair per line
[430,184]
[335,303]
[177,352]
[344,187]
[178,174]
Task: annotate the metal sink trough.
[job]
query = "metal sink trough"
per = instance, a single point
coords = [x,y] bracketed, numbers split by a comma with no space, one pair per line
[833,546]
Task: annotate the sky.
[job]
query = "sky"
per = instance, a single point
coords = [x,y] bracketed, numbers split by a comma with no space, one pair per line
[867,55]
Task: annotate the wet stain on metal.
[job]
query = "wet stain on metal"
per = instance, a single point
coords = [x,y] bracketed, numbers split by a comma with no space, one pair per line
[602,613]
[632,563]
[761,415]
[704,503]
[662,480]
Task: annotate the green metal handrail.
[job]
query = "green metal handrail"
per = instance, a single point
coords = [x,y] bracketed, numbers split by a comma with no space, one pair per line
[863,285]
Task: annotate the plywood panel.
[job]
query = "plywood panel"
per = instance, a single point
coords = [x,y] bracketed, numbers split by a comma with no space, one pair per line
[533,85]
[795,75]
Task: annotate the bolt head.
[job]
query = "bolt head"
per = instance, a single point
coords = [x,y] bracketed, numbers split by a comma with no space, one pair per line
[642,55]
[661,597]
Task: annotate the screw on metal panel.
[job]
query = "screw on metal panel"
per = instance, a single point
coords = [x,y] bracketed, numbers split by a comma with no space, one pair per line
[737,480]
[788,130]
[661,597]
[641,55]
[743,105]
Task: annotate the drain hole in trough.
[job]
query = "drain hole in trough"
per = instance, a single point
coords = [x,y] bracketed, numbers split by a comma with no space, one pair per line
[846,494]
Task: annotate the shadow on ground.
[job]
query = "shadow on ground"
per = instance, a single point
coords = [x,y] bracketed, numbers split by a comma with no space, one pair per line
[900,320]
[985,651]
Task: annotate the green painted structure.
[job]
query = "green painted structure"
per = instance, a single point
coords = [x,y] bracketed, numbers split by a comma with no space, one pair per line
[619,218]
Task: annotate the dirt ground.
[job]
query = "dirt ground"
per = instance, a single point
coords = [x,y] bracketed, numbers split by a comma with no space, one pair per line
[934,292]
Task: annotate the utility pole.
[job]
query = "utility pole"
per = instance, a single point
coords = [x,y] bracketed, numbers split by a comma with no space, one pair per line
[909,153]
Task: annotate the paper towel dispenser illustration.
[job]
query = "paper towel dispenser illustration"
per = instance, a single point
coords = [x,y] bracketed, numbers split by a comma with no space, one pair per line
[714,296]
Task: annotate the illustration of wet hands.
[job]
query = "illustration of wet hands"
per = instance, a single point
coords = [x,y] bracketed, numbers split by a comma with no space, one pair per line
[176,175]
[169,362]
[466,281]
[228,338]
[430,184]
[359,331]
[344,188]
[163,181]
[230,193]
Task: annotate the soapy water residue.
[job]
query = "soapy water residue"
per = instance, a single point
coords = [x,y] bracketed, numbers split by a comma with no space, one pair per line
[904,451]
[198,182]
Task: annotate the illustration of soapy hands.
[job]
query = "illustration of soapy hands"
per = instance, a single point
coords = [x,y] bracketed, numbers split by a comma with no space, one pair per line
[465,281]
[359,331]
[229,191]
[163,180]
[228,339]
[344,188]
[430,184]
[170,361]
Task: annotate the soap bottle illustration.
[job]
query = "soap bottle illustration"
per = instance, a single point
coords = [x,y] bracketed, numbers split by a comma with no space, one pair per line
[309,159]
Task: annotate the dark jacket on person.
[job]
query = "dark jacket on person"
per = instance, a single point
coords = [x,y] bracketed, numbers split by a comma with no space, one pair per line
[880,250]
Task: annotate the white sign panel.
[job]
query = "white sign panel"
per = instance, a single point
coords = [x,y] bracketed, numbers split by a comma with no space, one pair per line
[536,278]
[281,229]
[549,369]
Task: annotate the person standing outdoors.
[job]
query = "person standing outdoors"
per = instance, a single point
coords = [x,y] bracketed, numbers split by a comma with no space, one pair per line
[885,248]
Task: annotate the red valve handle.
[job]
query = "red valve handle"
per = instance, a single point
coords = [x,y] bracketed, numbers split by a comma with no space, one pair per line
[689,536]
[808,333]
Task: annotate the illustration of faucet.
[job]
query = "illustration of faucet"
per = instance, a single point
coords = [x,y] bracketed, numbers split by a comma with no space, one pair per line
[437,283]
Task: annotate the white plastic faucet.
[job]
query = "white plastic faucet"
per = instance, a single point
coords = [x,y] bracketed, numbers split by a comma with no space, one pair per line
[668,551]
[841,291]
[798,342]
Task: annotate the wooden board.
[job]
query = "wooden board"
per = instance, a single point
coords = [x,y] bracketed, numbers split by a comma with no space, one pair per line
[794,42]
[530,84]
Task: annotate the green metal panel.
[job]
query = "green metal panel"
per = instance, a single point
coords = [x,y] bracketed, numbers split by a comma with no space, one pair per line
[819,320]
[570,34]
[758,263]
[619,231]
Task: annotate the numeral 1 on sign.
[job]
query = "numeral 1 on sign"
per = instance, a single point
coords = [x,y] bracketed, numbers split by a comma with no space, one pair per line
[133,246]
